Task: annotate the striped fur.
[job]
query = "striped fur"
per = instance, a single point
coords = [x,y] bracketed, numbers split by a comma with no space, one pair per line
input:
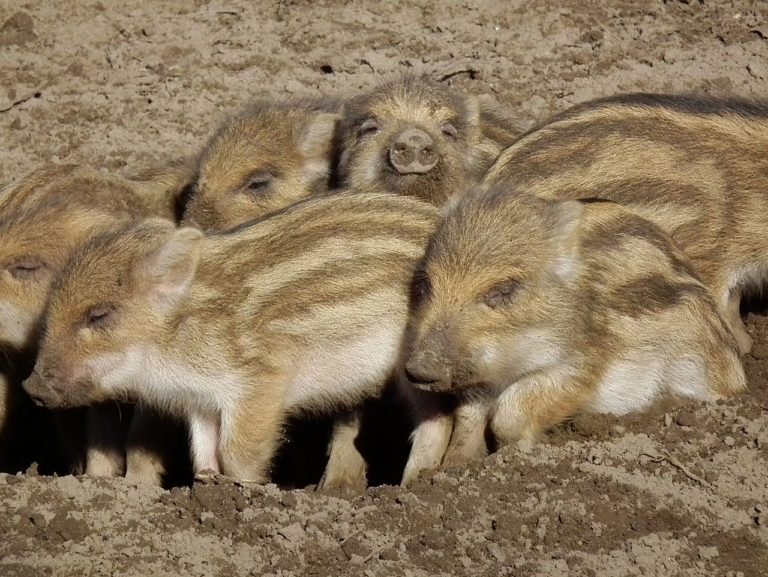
[482,130]
[272,155]
[533,310]
[698,168]
[43,219]
[302,311]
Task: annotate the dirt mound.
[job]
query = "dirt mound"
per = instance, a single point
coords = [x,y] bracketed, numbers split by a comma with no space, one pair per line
[682,490]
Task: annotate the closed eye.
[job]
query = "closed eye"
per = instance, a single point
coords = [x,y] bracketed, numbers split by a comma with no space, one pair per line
[369,127]
[502,294]
[99,316]
[26,269]
[259,184]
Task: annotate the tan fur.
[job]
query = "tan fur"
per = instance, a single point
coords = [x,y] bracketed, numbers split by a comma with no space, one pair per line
[698,168]
[274,154]
[482,130]
[303,311]
[537,309]
[43,218]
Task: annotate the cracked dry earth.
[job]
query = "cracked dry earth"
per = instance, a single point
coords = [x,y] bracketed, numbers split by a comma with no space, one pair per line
[682,490]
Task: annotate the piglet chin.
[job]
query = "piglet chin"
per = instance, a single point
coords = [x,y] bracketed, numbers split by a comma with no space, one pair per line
[434,387]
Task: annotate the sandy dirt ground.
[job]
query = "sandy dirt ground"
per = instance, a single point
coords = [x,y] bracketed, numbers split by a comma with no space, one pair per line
[682,490]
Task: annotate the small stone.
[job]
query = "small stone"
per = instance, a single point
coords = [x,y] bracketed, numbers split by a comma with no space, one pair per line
[356,548]
[496,552]
[595,456]
[389,554]
[667,419]
[289,500]
[18,30]
[293,533]
[707,553]
[69,486]
[757,69]
[686,418]
[729,441]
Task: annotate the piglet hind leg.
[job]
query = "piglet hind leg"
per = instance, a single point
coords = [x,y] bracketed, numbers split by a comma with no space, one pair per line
[154,442]
[250,436]
[346,467]
[105,436]
[535,403]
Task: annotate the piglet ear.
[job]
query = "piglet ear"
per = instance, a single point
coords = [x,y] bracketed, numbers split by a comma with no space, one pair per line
[494,130]
[471,113]
[497,124]
[567,217]
[168,270]
[317,135]
[315,142]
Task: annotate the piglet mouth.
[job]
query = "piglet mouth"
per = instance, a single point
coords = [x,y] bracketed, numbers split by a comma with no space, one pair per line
[55,394]
[435,387]
[42,394]
[432,386]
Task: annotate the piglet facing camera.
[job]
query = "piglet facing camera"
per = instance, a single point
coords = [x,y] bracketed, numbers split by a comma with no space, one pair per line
[417,137]
[534,310]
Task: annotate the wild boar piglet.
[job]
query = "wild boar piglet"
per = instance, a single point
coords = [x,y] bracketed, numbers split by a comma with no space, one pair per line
[272,155]
[696,167]
[43,219]
[302,311]
[417,137]
[530,311]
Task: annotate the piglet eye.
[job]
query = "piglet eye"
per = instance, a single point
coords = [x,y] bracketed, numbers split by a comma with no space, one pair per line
[26,268]
[258,184]
[369,127]
[502,294]
[99,316]
[450,131]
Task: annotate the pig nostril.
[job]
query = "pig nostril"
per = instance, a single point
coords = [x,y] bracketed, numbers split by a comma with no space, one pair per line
[427,155]
[413,152]
[401,156]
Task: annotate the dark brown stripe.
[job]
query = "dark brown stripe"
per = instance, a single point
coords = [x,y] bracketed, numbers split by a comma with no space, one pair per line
[652,294]
[617,230]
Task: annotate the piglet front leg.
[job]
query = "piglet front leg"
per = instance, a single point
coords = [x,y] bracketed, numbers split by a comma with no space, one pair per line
[537,402]
[204,444]
[346,468]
